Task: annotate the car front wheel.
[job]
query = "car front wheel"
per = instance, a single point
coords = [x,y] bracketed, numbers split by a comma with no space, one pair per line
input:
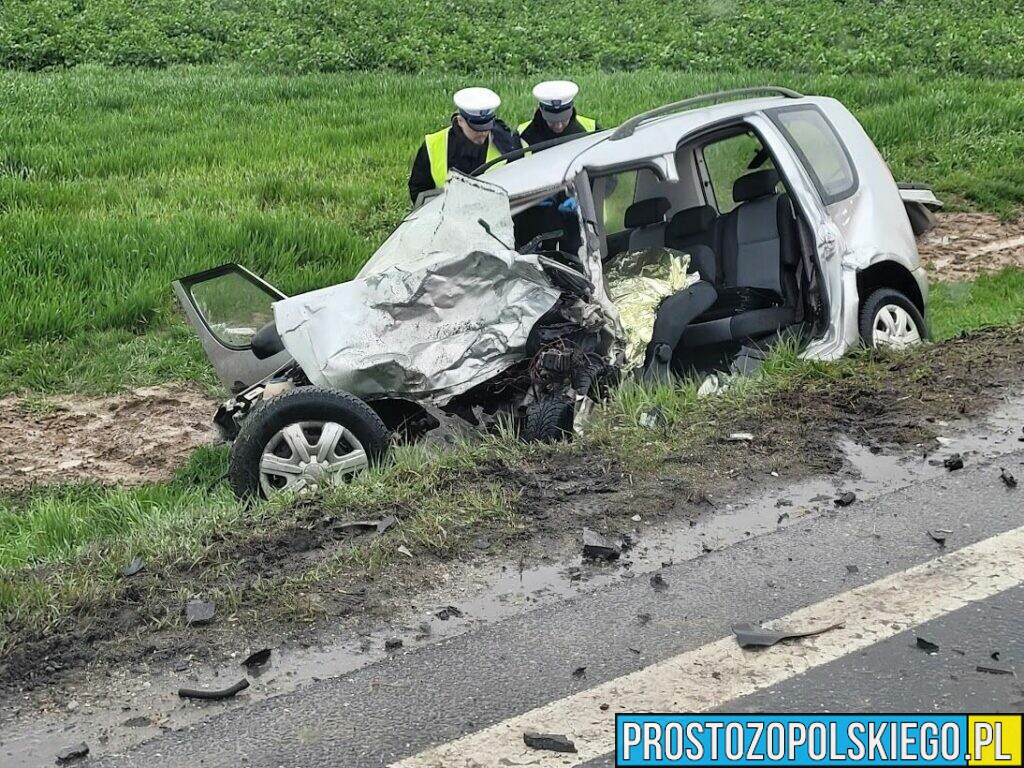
[303,441]
[889,319]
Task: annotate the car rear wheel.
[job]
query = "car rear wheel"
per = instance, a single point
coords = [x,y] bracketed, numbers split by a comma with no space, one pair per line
[303,441]
[889,319]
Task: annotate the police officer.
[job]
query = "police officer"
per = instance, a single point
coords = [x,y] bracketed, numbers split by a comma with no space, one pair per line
[474,137]
[556,114]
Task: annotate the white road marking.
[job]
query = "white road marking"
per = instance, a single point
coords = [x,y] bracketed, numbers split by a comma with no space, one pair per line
[711,676]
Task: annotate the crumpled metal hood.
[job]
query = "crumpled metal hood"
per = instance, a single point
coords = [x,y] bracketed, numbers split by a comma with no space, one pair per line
[442,306]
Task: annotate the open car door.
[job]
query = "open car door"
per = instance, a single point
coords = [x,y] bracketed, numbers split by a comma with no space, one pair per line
[232,312]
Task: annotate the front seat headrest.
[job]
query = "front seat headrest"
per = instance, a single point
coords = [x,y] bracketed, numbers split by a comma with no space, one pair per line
[646,212]
[692,221]
[754,185]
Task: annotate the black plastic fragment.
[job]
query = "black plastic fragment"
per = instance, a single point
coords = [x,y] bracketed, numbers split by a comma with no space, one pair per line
[846,499]
[994,670]
[1007,477]
[659,583]
[994,656]
[392,644]
[552,742]
[257,659]
[225,693]
[448,612]
[752,636]
[852,569]
[579,673]
[927,645]
[74,752]
[954,462]
[133,567]
[939,536]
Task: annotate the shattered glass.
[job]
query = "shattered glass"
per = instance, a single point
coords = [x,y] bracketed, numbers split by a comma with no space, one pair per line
[637,284]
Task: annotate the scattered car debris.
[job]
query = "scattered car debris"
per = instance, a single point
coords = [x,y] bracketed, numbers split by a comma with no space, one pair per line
[752,636]
[939,536]
[852,569]
[448,612]
[199,612]
[994,670]
[224,693]
[659,583]
[384,525]
[405,551]
[654,418]
[994,656]
[579,673]
[422,631]
[74,752]
[636,518]
[257,659]
[945,442]
[392,644]
[927,645]
[603,707]
[846,499]
[134,567]
[358,526]
[740,437]
[644,619]
[954,462]
[781,518]
[551,742]
[1007,477]
[705,547]
[597,547]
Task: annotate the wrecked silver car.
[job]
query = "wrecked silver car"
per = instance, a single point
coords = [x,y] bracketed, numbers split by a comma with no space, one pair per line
[698,234]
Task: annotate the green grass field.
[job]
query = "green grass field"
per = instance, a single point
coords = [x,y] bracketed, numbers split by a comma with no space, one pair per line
[113,183]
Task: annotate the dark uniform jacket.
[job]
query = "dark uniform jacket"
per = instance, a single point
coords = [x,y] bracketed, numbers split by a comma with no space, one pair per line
[539,130]
[463,155]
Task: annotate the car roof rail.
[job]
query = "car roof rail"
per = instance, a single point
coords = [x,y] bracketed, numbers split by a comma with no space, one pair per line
[515,154]
[627,128]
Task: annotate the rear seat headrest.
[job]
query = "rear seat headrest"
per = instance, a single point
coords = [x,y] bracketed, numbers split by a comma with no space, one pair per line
[692,221]
[755,185]
[646,212]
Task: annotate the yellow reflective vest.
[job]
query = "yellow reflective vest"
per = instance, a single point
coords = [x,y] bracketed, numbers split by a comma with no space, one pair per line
[589,125]
[437,152]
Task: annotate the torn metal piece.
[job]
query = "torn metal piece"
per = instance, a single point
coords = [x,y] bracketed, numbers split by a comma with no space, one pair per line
[939,536]
[134,567]
[1007,477]
[954,462]
[995,670]
[846,499]
[384,525]
[404,550]
[752,636]
[225,693]
[550,742]
[449,612]
[597,547]
[199,612]
[927,645]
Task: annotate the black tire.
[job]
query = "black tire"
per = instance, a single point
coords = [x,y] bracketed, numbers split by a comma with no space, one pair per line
[298,405]
[883,297]
[548,421]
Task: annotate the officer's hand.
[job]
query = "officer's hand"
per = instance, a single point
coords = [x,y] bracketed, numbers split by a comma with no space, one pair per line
[569,205]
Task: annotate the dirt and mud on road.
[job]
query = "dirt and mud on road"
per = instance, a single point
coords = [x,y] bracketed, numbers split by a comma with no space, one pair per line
[893,405]
[139,437]
[965,245]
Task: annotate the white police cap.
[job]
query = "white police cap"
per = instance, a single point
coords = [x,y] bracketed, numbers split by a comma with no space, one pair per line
[556,99]
[478,106]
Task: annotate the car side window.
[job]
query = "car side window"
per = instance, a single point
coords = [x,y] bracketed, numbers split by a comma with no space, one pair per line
[728,159]
[618,193]
[820,150]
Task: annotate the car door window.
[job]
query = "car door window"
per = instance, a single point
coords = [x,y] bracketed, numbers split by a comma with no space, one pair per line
[820,150]
[728,159]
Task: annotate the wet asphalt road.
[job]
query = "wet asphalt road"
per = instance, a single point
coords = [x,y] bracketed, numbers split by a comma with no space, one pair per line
[439,692]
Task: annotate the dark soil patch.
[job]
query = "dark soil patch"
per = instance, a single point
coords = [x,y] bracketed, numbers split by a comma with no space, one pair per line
[891,400]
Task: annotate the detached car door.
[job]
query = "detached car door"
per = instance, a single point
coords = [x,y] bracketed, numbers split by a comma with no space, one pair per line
[231,310]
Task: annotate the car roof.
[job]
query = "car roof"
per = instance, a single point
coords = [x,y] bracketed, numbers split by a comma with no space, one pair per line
[657,137]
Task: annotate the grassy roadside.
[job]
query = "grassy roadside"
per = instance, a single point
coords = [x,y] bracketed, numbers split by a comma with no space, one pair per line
[301,176]
[62,549]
